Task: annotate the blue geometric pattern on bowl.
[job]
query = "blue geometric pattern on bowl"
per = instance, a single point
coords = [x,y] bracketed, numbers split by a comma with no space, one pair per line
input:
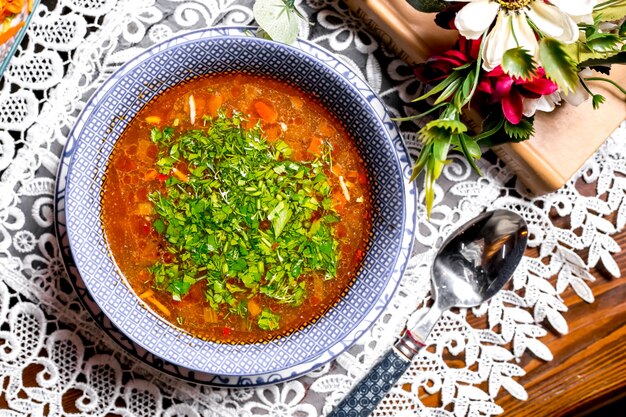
[120,311]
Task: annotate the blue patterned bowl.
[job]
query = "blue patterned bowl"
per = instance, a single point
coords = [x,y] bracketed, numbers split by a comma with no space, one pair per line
[316,72]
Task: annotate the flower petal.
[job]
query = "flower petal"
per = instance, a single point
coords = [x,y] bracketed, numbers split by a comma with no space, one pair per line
[544,103]
[576,97]
[530,106]
[571,31]
[575,7]
[476,17]
[553,22]
[485,86]
[541,86]
[513,107]
[525,35]
[503,86]
[496,42]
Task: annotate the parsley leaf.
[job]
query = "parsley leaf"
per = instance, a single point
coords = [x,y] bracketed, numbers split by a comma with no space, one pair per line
[268,320]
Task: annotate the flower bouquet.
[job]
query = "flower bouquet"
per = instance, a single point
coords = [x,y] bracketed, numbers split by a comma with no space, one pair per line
[512,59]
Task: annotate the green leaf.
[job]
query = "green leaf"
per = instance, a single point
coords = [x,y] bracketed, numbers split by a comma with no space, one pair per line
[597,100]
[439,87]
[606,43]
[558,64]
[518,62]
[268,320]
[521,131]
[419,115]
[159,226]
[279,217]
[599,61]
[611,13]
[450,89]
[278,19]
[492,127]
[422,159]
[464,66]
[441,148]
[434,168]
[471,150]
[466,89]
[453,126]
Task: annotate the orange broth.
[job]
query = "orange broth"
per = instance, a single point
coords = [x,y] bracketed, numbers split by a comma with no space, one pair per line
[284,113]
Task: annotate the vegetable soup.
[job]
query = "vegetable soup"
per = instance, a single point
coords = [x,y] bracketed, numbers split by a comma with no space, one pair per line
[237,208]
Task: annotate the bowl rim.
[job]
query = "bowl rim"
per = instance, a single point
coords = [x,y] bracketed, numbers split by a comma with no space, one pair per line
[314,52]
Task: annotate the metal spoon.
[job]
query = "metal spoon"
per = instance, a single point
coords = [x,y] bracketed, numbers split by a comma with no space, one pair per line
[471,266]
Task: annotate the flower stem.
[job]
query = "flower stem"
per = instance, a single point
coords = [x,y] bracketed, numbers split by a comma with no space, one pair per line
[535,28]
[584,84]
[479,64]
[606,80]
[417,116]
[513,33]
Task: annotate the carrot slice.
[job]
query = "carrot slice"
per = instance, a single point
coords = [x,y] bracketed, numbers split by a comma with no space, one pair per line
[159,306]
[337,170]
[180,175]
[10,32]
[250,123]
[254,308]
[153,120]
[209,315]
[352,174]
[266,111]
[315,147]
[147,294]
[338,201]
[150,175]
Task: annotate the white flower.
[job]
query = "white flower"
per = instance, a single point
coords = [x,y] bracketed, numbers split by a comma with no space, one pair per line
[579,95]
[556,19]
[544,104]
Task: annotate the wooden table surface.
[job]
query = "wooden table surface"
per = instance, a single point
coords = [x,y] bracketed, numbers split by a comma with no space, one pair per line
[589,366]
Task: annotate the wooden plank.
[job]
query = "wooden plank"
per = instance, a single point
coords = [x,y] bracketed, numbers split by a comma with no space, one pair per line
[589,365]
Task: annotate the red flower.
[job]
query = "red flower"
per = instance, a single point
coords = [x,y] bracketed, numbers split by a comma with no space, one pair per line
[511,91]
[438,67]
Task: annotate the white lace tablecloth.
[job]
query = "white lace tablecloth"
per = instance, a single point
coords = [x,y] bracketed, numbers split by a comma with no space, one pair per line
[71,48]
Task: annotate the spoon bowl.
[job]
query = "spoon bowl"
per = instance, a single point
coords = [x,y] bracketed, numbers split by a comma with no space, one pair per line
[478,259]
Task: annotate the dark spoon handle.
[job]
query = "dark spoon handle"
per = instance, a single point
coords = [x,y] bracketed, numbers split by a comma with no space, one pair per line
[368,392]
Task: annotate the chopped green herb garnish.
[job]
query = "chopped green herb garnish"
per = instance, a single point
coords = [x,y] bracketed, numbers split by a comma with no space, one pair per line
[243,219]
[268,320]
